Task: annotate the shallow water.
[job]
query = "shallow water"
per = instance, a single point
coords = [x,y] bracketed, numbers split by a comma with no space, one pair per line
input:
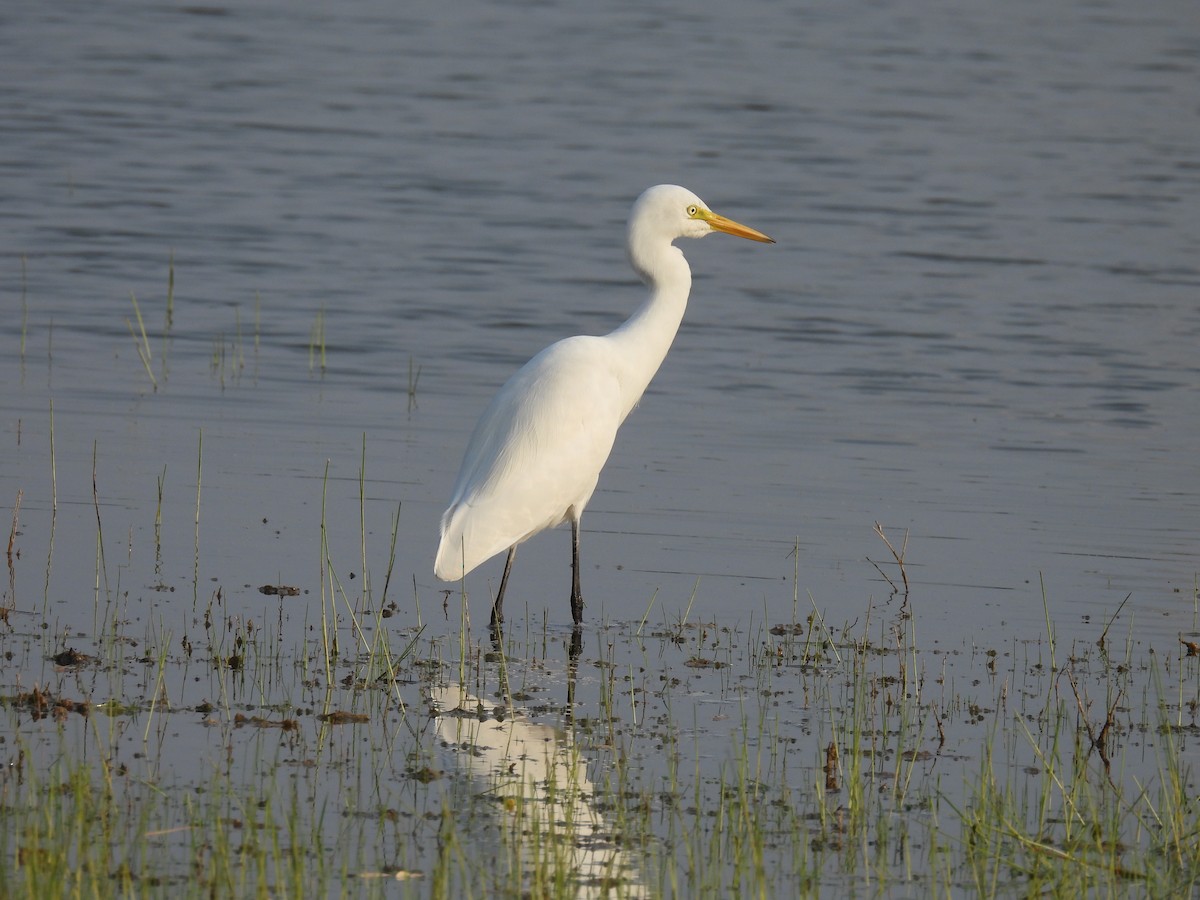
[979,323]
[978,327]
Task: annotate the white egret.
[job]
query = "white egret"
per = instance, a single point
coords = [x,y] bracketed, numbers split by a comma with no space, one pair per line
[536,453]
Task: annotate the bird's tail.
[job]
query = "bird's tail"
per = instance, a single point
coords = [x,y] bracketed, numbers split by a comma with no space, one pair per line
[450,564]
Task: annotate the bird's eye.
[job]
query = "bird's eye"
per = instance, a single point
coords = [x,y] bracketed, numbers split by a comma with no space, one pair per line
[692,211]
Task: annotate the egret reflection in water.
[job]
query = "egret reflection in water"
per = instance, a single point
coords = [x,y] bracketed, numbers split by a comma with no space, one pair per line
[545,800]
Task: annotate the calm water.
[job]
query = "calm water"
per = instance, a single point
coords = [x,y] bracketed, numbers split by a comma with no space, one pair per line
[979,325]
[980,322]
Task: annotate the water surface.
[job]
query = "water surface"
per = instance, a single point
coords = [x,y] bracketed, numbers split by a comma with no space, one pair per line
[979,324]
[978,327]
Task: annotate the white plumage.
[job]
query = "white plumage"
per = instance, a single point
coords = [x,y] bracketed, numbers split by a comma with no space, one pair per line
[535,455]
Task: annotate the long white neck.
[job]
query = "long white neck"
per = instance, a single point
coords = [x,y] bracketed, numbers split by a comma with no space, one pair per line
[642,342]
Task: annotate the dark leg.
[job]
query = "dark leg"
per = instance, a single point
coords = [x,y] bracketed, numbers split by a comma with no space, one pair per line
[497,611]
[576,596]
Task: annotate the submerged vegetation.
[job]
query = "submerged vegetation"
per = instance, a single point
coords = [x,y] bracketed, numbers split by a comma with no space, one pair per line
[239,756]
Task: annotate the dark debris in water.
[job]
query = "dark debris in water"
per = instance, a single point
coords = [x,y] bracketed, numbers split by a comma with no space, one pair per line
[279,590]
[340,717]
[70,658]
[41,704]
[241,720]
[425,774]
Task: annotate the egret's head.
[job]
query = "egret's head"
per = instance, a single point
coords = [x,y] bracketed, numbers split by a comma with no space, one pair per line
[670,211]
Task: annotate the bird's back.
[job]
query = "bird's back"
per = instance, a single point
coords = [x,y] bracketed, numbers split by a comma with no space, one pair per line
[535,454]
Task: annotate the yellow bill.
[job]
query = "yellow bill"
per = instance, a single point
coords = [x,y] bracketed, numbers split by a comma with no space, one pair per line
[728,226]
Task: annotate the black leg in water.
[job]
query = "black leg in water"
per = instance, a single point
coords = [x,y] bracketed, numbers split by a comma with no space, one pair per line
[497,607]
[576,596]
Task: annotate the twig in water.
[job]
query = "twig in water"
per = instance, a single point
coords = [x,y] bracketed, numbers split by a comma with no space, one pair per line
[12,535]
[1104,633]
[414,376]
[898,556]
[12,572]
[1099,740]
